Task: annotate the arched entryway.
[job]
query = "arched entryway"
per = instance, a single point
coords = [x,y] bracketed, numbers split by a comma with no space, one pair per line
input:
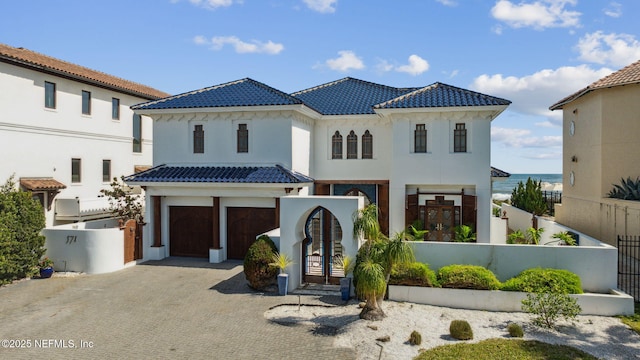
[322,248]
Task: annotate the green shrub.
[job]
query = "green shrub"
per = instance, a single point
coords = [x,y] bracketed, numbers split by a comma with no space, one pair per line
[21,245]
[415,338]
[515,330]
[461,330]
[413,274]
[540,280]
[548,307]
[467,277]
[529,198]
[257,270]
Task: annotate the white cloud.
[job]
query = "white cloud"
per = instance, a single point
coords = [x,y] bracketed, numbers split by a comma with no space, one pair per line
[322,6]
[212,4]
[416,66]
[538,14]
[241,47]
[614,10]
[383,66]
[348,60]
[533,94]
[522,138]
[448,2]
[614,49]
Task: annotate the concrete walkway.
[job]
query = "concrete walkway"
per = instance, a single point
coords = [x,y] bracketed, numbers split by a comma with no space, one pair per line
[172,309]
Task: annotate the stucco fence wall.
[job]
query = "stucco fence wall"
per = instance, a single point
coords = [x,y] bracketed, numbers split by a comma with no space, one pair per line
[92,247]
[595,265]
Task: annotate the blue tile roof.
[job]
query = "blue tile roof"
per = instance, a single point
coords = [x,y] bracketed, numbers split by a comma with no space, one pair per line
[441,95]
[495,172]
[276,174]
[245,92]
[348,96]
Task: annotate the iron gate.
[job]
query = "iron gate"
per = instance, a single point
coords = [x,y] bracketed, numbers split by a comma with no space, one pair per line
[629,265]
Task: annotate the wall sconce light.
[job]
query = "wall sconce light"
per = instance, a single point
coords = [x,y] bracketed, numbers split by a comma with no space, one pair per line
[574,159]
[575,111]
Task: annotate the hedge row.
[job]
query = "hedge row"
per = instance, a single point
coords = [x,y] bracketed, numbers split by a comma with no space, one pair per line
[477,277]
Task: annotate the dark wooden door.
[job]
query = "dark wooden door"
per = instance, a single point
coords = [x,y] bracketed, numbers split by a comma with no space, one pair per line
[440,221]
[244,225]
[129,241]
[190,230]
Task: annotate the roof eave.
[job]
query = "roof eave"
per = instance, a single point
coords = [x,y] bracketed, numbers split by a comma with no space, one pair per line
[301,108]
[228,185]
[495,109]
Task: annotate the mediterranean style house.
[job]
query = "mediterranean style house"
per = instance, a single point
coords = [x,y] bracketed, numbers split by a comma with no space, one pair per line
[226,155]
[67,131]
[601,127]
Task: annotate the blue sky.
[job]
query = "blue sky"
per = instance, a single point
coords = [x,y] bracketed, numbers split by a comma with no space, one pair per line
[533,53]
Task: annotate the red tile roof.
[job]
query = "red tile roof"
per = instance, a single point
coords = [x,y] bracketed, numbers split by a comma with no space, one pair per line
[34,184]
[43,63]
[628,75]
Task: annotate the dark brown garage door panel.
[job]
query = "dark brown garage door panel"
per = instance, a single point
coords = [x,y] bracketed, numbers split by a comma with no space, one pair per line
[190,230]
[243,225]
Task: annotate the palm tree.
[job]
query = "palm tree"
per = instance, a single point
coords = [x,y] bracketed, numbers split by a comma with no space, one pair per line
[375,260]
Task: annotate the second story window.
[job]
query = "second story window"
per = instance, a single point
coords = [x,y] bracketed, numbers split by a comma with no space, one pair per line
[420,139]
[106,170]
[243,138]
[460,138]
[76,168]
[198,140]
[367,145]
[336,146]
[86,102]
[137,133]
[115,109]
[352,145]
[49,95]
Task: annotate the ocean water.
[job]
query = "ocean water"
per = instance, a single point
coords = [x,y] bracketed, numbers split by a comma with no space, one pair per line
[502,189]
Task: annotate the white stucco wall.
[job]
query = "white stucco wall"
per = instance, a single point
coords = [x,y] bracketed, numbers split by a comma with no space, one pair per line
[294,211]
[40,142]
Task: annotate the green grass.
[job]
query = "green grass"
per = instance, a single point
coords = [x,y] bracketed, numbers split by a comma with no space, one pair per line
[634,320]
[504,349]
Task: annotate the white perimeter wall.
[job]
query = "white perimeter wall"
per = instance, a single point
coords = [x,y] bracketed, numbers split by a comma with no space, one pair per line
[596,266]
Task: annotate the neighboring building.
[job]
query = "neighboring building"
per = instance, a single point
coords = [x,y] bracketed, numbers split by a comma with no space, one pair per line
[601,128]
[66,131]
[224,156]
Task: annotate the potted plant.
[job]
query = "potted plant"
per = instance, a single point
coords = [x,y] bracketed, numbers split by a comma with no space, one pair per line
[282,262]
[46,267]
[564,238]
[347,264]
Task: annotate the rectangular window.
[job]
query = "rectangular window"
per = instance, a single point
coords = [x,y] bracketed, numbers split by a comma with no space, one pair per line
[420,139]
[86,102]
[49,95]
[106,170]
[460,138]
[76,165]
[115,109]
[137,133]
[243,138]
[198,140]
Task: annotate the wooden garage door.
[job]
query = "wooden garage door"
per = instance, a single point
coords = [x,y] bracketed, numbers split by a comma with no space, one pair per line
[243,225]
[190,230]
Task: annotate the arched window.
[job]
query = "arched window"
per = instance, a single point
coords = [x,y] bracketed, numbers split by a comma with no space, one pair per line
[336,146]
[352,145]
[367,145]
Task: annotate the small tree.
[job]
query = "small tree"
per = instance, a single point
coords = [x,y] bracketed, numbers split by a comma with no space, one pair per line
[548,307]
[21,245]
[529,197]
[123,204]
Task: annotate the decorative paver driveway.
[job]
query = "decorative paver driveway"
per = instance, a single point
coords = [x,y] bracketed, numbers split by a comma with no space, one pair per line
[175,308]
